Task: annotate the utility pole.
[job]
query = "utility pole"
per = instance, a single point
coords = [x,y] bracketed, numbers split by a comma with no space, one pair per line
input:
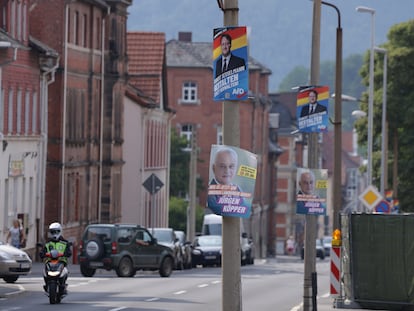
[231,285]
[191,210]
[309,285]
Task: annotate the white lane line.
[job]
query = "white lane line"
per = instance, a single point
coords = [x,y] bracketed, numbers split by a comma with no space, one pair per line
[202,285]
[180,292]
[153,299]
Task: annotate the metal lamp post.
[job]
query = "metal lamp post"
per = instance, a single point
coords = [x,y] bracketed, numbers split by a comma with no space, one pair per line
[337,169]
[383,123]
[363,9]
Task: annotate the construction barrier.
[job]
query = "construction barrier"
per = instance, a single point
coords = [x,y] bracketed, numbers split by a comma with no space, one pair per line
[335,270]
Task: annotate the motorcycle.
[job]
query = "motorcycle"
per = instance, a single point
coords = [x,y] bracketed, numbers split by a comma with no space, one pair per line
[55,274]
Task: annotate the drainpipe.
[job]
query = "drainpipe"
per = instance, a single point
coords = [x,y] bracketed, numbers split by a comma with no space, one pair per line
[102,116]
[65,86]
[44,133]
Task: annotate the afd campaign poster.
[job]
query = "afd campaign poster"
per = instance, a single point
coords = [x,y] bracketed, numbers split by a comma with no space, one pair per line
[312,108]
[230,63]
[312,191]
[232,179]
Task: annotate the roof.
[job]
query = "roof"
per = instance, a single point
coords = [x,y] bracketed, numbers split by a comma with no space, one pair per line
[199,55]
[42,47]
[5,37]
[146,55]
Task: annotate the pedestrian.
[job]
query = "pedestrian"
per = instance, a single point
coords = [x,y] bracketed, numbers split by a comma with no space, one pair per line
[290,246]
[16,234]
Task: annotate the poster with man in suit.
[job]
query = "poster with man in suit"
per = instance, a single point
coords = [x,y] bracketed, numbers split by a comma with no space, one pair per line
[230,64]
[312,108]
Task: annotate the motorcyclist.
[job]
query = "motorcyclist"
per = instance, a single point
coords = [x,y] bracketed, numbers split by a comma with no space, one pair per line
[58,242]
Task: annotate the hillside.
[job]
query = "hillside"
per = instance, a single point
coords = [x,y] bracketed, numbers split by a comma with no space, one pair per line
[280,31]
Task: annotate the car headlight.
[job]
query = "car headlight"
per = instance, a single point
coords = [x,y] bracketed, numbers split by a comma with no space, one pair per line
[5,256]
[196,252]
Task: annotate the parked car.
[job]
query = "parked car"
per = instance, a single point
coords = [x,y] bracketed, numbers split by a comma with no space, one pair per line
[207,250]
[320,251]
[185,248]
[327,244]
[13,263]
[123,248]
[247,250]
[167,237]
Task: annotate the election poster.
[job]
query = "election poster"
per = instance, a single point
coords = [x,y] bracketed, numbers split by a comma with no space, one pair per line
[230,64]
[312,109]
[312,191]
[232,178]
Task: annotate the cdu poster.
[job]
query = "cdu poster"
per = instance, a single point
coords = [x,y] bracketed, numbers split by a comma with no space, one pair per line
[312,191]
[232,180]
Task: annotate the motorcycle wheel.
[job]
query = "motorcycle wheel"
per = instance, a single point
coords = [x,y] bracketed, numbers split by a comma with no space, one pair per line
[53,293]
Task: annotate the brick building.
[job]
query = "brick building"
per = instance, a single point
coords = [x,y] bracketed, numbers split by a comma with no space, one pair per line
[27,67]
[85,111]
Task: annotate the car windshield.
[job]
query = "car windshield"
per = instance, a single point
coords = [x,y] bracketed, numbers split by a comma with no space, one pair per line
[98,232]
[209,241]
[327,240]
[181,236]
[162,235]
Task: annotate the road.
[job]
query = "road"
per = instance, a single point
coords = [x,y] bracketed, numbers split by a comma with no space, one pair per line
[272,284]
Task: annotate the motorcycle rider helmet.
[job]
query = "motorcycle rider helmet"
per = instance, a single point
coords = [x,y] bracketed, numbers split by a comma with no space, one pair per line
[55,231]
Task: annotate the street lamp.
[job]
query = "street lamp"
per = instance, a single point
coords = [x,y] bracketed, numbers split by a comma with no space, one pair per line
[337,169]
[384,123]
[363,9]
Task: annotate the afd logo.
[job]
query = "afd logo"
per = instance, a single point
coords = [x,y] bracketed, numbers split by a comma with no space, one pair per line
[239,92]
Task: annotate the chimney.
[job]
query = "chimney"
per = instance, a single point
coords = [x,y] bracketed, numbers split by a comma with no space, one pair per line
[184,36]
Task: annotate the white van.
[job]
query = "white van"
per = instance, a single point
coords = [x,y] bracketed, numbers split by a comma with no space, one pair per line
[211,224]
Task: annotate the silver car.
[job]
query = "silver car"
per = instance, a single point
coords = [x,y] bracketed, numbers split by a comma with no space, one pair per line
[13,263]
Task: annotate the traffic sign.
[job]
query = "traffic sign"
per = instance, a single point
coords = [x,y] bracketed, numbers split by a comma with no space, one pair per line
[383,207]
[153,184]
[370,197]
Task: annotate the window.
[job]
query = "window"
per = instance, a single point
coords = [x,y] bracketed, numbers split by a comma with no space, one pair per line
[189,94]
[219,135]
[10,112]
[187,131]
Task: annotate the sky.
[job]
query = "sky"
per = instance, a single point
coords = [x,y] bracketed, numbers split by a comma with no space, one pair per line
[280,31]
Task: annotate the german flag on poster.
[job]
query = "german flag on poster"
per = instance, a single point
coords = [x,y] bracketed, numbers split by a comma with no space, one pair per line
[230,64]
[312,108]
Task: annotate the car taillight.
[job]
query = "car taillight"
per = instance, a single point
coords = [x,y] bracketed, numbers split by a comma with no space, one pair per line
[114,248]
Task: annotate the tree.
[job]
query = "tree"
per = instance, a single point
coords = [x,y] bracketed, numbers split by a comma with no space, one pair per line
[400,110]
[179,166]
[178,214]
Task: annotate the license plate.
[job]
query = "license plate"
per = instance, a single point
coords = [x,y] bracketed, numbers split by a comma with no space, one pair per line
[210,257]
[24,266]
[95,264]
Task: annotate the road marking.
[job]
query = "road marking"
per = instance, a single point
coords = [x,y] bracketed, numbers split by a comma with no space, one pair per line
[180,292]
[153,299]
[116,309]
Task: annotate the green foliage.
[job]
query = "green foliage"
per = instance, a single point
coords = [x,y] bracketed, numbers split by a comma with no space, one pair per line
[179,166]
[178,214]
[400,109]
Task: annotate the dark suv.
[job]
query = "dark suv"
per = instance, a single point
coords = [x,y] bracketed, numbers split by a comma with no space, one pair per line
[124,248]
